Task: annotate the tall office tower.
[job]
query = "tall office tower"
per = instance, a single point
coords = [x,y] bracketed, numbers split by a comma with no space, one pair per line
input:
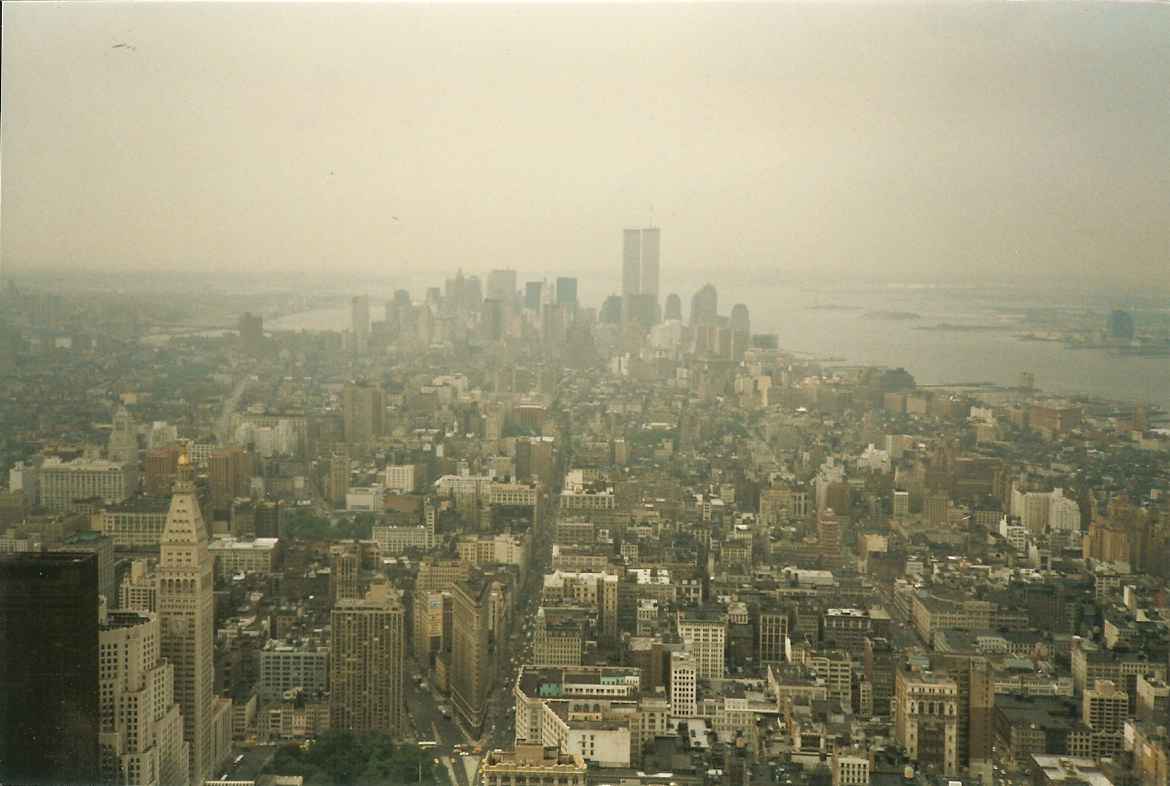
[566,291]
[141,723]
[337,484]
[345,571]
[829,533]
[251,327]
[773,632]
[186,606]
[49,722]
[631,267]
[705,306]
[362,406]
[472,293]
[123,445]
[1104,707]
[673,308]
[229,472]
[533,295]
[611,310]
[926,719]
[639,272]
[501,286]
[684,676]
[360,323]
[159,470]
[493,319]
[649,281]
[368,640]
[704,631]
[976,697]
[89,542]
[642,309]
[741,321]
[470,660]
[268,518]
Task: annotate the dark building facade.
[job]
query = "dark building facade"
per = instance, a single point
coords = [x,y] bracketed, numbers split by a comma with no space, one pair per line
[49,668]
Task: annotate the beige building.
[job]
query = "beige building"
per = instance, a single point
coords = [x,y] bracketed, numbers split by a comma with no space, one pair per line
[850,767]
[186,606]
[403,478]
[368,647]
[684,680]
[291,720]
[504,548]
[593,590]
[532,765]
[932,613]
[139,588]
[926,719]
[233,556]
[136,523]
[286,667]
[704,632]
[62,482]
[558,637]
[141,724]
[1104,707]
[397,539]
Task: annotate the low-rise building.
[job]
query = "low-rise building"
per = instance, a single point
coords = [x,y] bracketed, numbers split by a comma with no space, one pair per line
[233,556]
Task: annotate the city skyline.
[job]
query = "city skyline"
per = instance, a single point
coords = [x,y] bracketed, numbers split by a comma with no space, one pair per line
[585,394]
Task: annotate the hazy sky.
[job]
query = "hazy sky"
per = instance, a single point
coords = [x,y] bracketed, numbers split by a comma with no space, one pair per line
[882,141]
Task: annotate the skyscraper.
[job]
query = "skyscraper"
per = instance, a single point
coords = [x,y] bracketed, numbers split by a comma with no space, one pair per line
[673,308]
[470,659]
[649,280]
[631,263]
[49,668]
[741,331]
[640,270]
[362,407]
[337,483]
[360,317]
[566,291]
[251,327]
[230,475]
[501,285]
[186,606]
[705,306]
[368,647]
[533,295]
[141,724]
[123,444]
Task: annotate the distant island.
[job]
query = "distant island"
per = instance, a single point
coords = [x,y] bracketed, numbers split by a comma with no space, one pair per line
[892,316]
[833,307]
[952,326]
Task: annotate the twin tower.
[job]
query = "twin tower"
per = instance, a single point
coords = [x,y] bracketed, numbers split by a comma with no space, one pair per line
[640,275]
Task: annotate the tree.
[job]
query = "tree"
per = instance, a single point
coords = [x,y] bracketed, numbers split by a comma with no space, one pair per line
[342,758]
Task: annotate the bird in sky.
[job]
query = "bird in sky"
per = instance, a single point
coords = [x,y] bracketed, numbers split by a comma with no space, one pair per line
[123,45]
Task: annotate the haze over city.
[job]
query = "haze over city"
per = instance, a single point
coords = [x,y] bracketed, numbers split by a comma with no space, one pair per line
[794,142]
[585,395]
